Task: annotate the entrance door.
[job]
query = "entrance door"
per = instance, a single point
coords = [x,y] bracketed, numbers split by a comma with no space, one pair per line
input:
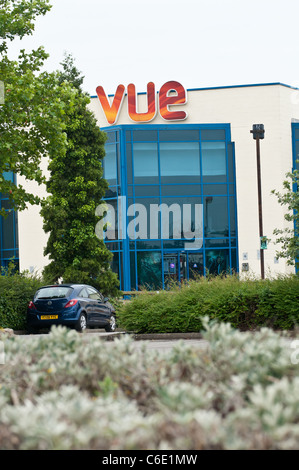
[174,268]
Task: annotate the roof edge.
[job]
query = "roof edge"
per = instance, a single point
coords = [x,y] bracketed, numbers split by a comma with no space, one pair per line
[226,87]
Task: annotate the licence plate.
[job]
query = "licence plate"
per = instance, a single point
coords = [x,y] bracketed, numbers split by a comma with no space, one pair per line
[49,317]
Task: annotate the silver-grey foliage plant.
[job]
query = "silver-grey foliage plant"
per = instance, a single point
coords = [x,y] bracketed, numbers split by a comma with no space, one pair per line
[71,391]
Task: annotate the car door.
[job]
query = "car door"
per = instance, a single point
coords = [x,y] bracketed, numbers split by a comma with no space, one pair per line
[101,310]
[86,303]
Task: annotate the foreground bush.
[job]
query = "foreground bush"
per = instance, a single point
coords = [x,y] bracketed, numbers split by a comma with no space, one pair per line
[16,290]
[245,304]
[70,391]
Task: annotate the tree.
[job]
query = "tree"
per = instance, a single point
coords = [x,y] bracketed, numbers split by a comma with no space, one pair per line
[76,187]
[32,116]
[288,238]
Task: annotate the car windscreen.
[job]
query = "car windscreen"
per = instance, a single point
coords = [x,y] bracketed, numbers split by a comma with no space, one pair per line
[53,292]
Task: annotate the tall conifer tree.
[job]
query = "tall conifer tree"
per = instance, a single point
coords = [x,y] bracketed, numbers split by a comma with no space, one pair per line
[76,187]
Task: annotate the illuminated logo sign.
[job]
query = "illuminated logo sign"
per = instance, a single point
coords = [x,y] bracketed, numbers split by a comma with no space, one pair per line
[171,94]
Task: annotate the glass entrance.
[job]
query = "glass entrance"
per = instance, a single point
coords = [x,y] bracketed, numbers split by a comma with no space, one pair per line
[174,267]
[180,267]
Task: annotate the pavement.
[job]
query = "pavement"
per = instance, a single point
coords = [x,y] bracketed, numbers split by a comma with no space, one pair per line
[143,337]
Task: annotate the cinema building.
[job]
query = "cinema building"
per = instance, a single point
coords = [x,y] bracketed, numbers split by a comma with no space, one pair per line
[186,149]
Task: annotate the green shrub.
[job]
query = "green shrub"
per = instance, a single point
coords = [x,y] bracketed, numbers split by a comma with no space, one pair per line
[16,290]
[66,391]
[245,304]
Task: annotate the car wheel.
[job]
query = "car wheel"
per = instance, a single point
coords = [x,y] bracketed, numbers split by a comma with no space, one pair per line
[82,323]
[111,325]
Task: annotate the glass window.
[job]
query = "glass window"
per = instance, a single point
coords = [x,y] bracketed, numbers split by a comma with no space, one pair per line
[6,204]
[83,293]
[182,218]
[217,243]
[148,244]
[213,134]
[110,169]
[231,163]
[111,219]
[133,270]
[173,244]
[112,246]
[144,219]
[296,156]
[179,159]
[234,264]
[112,192]
[232,208]
[214,189]
[196,265]
[178,135]
[110,137]
[145,157]
[215,215]
[181,190]
[53,292]
[145,136]
[8,176]
[149,269]
[114,264]
[8,231]
[217,261]
[146,190]
[93,294]
[213,161]
[129,163]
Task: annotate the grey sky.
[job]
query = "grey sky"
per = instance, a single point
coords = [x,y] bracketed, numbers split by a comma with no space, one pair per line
[200,43]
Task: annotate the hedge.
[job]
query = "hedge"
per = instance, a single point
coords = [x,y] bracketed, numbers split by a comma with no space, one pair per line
[16,290]
[247,304]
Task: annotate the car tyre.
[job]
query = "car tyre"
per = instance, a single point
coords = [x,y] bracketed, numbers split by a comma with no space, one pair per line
[111,325]
[81,323]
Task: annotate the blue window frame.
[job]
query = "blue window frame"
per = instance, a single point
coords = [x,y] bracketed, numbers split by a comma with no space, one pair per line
[9,246]
[172,164]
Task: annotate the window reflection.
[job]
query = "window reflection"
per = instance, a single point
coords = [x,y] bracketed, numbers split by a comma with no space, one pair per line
[215,215]
[213,162]
[110,167]
[179,159]
[145,157]
[149,269]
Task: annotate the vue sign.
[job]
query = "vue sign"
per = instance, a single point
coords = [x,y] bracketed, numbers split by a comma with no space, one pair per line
[166,99]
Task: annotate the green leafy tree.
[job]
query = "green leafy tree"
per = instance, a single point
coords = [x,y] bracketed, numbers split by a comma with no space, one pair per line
[76,187]
[288,238]
[32,116]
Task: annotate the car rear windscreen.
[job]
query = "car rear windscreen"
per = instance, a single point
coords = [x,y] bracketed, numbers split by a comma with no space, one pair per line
[54,292]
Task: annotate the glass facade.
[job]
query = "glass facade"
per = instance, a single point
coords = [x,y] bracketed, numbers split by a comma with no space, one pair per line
[174,186]
[9,248]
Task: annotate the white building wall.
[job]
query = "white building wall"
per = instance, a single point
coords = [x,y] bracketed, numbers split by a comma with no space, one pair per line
[32,238]
[275,106]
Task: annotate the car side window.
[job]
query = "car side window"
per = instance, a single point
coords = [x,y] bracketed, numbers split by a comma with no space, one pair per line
[84,293]
[94,295]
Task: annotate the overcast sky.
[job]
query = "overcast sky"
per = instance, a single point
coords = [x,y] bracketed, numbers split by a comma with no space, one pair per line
[200,43]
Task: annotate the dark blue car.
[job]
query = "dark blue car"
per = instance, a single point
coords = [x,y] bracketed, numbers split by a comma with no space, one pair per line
[74,305]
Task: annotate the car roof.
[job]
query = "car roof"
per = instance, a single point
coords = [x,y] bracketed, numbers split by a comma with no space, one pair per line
[66,285]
